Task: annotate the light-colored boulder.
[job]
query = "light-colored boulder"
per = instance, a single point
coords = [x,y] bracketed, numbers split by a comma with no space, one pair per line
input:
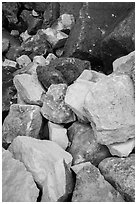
[23,60]
[9,63]
[28,88]
[14,33]
[17,183]
[48,163]
[49,58]
[58,134]
[122,149]
[40,60]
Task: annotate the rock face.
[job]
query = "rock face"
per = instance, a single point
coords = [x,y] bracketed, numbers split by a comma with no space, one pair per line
[84,146]
[22,120]
[49,165]
[29,89]
[92,187]
[120,172]
[16,181]
[58,134]
[54,107]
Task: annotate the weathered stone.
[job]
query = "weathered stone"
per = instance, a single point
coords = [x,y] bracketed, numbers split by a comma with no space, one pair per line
[17,183]
[92,187]
[55,38]
[49,58]
[29,69]
[110,107]
[5,44]
[120,172]
[25,36]
[22,120]
[23,61]
[84,146]
[122,149]
[54,107]
[76,168]
[9,63]
[40,60]
[119,42]
[125,65]
[58,134]
[49,165]
[29,89]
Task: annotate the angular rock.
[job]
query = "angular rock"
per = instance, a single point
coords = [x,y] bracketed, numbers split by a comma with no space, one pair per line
[17,183]
[122,149]
[14,52]
[54,107]
[49,58]
[58,134]
[120,172]
[9,63]
[5,45]
[40,60]
[120,42]
[125,65]
[92,187]
[14,33]
[29,89]
[25,36]
[47,162]
[23,61]
[23,120]
[110,108]
[29,69]
[59,52]
[76,168]
[84,146]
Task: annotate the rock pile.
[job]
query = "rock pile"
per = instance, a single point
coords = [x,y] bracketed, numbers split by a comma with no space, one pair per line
[68,102]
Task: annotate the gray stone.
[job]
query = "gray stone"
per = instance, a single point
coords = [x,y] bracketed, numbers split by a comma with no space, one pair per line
[5,44]
[23,61]
[9,63]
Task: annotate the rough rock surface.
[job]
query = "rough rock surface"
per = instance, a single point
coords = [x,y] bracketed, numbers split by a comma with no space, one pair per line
[92,187]
[29,89]
[58,134]
[9,63]
[76,168]
[54,107]
[23,61]
[84,146]
[49,165]
[23,120]
[17,183]
[120,172]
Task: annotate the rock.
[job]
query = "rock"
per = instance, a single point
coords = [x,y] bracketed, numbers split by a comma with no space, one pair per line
[56,38]
[84,146]
[14,52]
[34,13]
[125,65]
[76,168]
[23,120]
[54,107]
[120,42]
[14,33]
[58,134]
[25,36]
[110,108]
[120,172]
[94,22]
[9,63]
[17,183]
[39,60]
[23,60]
[29,69]
[47,162]
[29,89]
[49,58]
[92,187]
[122,149]
[5,45]
[59,52]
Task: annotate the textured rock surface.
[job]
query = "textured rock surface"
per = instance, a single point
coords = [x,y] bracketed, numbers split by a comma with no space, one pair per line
[120,172]
[49,165]
[92,187]
[23,61]
[58,134]
[84,146]
[5,44]
[23,120]
[54,107]
[9,63]
[29,88]
[17,183]
[76,168]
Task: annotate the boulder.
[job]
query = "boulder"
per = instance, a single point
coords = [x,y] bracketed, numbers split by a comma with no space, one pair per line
[110,108]
[29,89]
[120,172]
[22,120]
[58,134]
[23,61]
[54,107]
[49,165]
[92,187]
[17,183]
[84,146]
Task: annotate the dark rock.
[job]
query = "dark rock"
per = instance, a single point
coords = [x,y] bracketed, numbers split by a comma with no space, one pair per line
[84,146]
[95,21]
[120,42]
[120,172]
[5,21]
[92,187]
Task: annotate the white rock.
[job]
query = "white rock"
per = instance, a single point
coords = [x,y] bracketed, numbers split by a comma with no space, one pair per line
[78,167]
[17,183]
[122,149]
[10,63]
[34,13]
[45,160]
[58,134]
[40,60]
[23,60]
[25,35]
[50,57]
[28,88]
